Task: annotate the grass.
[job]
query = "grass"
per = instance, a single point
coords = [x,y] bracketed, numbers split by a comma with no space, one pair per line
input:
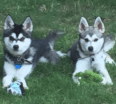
[52,84]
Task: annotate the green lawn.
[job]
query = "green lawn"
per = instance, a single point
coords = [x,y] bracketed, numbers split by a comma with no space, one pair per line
[53,84]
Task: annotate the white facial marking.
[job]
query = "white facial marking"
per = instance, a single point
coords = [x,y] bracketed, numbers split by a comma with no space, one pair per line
[88,37]
[20,36]
[13,35]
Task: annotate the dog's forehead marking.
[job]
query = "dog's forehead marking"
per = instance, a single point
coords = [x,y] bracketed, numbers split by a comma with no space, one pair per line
[91,31]
[13,35]
[88,37]
[20,36]
[94,36]
[91,37]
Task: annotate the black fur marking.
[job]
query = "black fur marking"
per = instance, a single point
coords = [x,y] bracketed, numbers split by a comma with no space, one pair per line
[17,29]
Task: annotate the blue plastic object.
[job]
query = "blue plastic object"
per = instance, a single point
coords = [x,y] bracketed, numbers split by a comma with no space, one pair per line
[14,88]
[18,66]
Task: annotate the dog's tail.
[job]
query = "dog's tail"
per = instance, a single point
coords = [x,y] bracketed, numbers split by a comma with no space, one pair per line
[53,36]
[109,42]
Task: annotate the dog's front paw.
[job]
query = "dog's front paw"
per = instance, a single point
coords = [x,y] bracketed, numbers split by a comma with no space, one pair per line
[109,82]
[105,82]
[7,80]
[26,87]
[6,84]
[108,59]
[76,79]
[62,55]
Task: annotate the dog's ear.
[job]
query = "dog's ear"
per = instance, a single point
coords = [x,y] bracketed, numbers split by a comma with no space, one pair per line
[9,23]
[99,25]
[28,25]
[83,25]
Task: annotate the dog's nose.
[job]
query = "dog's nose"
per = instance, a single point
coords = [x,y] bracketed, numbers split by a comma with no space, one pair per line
[15,47]
[90,48]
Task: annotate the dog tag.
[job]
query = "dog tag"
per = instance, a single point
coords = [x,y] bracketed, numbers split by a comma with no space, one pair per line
[92,59]
[18,66]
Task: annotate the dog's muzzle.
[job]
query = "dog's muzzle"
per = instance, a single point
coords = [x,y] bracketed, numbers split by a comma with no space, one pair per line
[15,47]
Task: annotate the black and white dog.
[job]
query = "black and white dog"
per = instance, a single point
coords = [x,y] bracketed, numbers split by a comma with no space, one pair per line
[89,51]
[22,53]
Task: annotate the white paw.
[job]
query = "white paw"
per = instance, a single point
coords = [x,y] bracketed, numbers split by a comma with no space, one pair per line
[105,82]
[26,87]
[111,83]
[6,84]
[62,55]
[108,59]
[75,79]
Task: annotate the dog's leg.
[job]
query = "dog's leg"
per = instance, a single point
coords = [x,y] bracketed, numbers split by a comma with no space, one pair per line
[22,73]
[81,66]
[22,79]
[106,77]
[10,72]
[61,54]
[108,59]
[43,59]
[7,80]
[52,56]
[104,73]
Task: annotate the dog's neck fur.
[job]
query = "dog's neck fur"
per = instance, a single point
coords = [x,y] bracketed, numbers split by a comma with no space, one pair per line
[93,59]
[14,58]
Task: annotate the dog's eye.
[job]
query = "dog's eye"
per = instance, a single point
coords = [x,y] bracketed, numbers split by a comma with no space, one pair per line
[86,39]
[95,40]
[22,39]
[11,38]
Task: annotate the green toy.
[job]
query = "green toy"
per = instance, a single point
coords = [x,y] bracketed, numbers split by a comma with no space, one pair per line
[89,77]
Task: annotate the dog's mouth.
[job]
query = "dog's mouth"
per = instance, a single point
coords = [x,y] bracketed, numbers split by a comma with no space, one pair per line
[89,53]
[15,50]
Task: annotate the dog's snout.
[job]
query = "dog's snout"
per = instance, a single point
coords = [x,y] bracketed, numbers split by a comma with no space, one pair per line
[15,47]
[90,48]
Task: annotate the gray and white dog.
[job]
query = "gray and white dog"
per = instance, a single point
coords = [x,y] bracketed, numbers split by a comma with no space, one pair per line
[22,53]
[89,51]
